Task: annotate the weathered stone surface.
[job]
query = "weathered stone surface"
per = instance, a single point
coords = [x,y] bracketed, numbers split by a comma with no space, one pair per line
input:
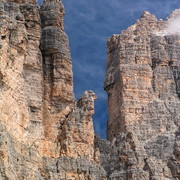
[142,82]
[58,100]
[21,70]
[52,14]
[44,132]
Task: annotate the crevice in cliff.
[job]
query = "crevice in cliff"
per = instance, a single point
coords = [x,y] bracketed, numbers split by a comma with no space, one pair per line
[1,81]
[57,167]
[174,162]
[48,62]
[176,75]
[153,81]
[147,168]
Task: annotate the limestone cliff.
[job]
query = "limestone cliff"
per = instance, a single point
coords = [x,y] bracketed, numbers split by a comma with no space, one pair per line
[142,82]
[45,133]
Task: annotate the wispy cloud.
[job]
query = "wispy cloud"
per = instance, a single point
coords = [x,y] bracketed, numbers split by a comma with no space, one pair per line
[173,25]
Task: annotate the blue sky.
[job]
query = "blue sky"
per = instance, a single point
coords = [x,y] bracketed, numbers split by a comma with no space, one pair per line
[88,24]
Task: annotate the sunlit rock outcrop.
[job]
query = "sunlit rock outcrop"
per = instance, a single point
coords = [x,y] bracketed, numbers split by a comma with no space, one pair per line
[45,133]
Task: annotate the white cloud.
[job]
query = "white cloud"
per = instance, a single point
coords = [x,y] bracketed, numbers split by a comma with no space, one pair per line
[173,26]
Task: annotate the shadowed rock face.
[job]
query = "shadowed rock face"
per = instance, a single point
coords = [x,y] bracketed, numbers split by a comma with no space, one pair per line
[46,134]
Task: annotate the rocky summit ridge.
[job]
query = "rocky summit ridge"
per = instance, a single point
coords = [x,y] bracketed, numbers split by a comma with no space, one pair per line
[46,134]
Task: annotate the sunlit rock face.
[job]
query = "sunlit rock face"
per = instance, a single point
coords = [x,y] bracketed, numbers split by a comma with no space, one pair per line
[44,132]
[143,86]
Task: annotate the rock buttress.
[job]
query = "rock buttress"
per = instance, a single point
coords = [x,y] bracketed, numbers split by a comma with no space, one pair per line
[142,82]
